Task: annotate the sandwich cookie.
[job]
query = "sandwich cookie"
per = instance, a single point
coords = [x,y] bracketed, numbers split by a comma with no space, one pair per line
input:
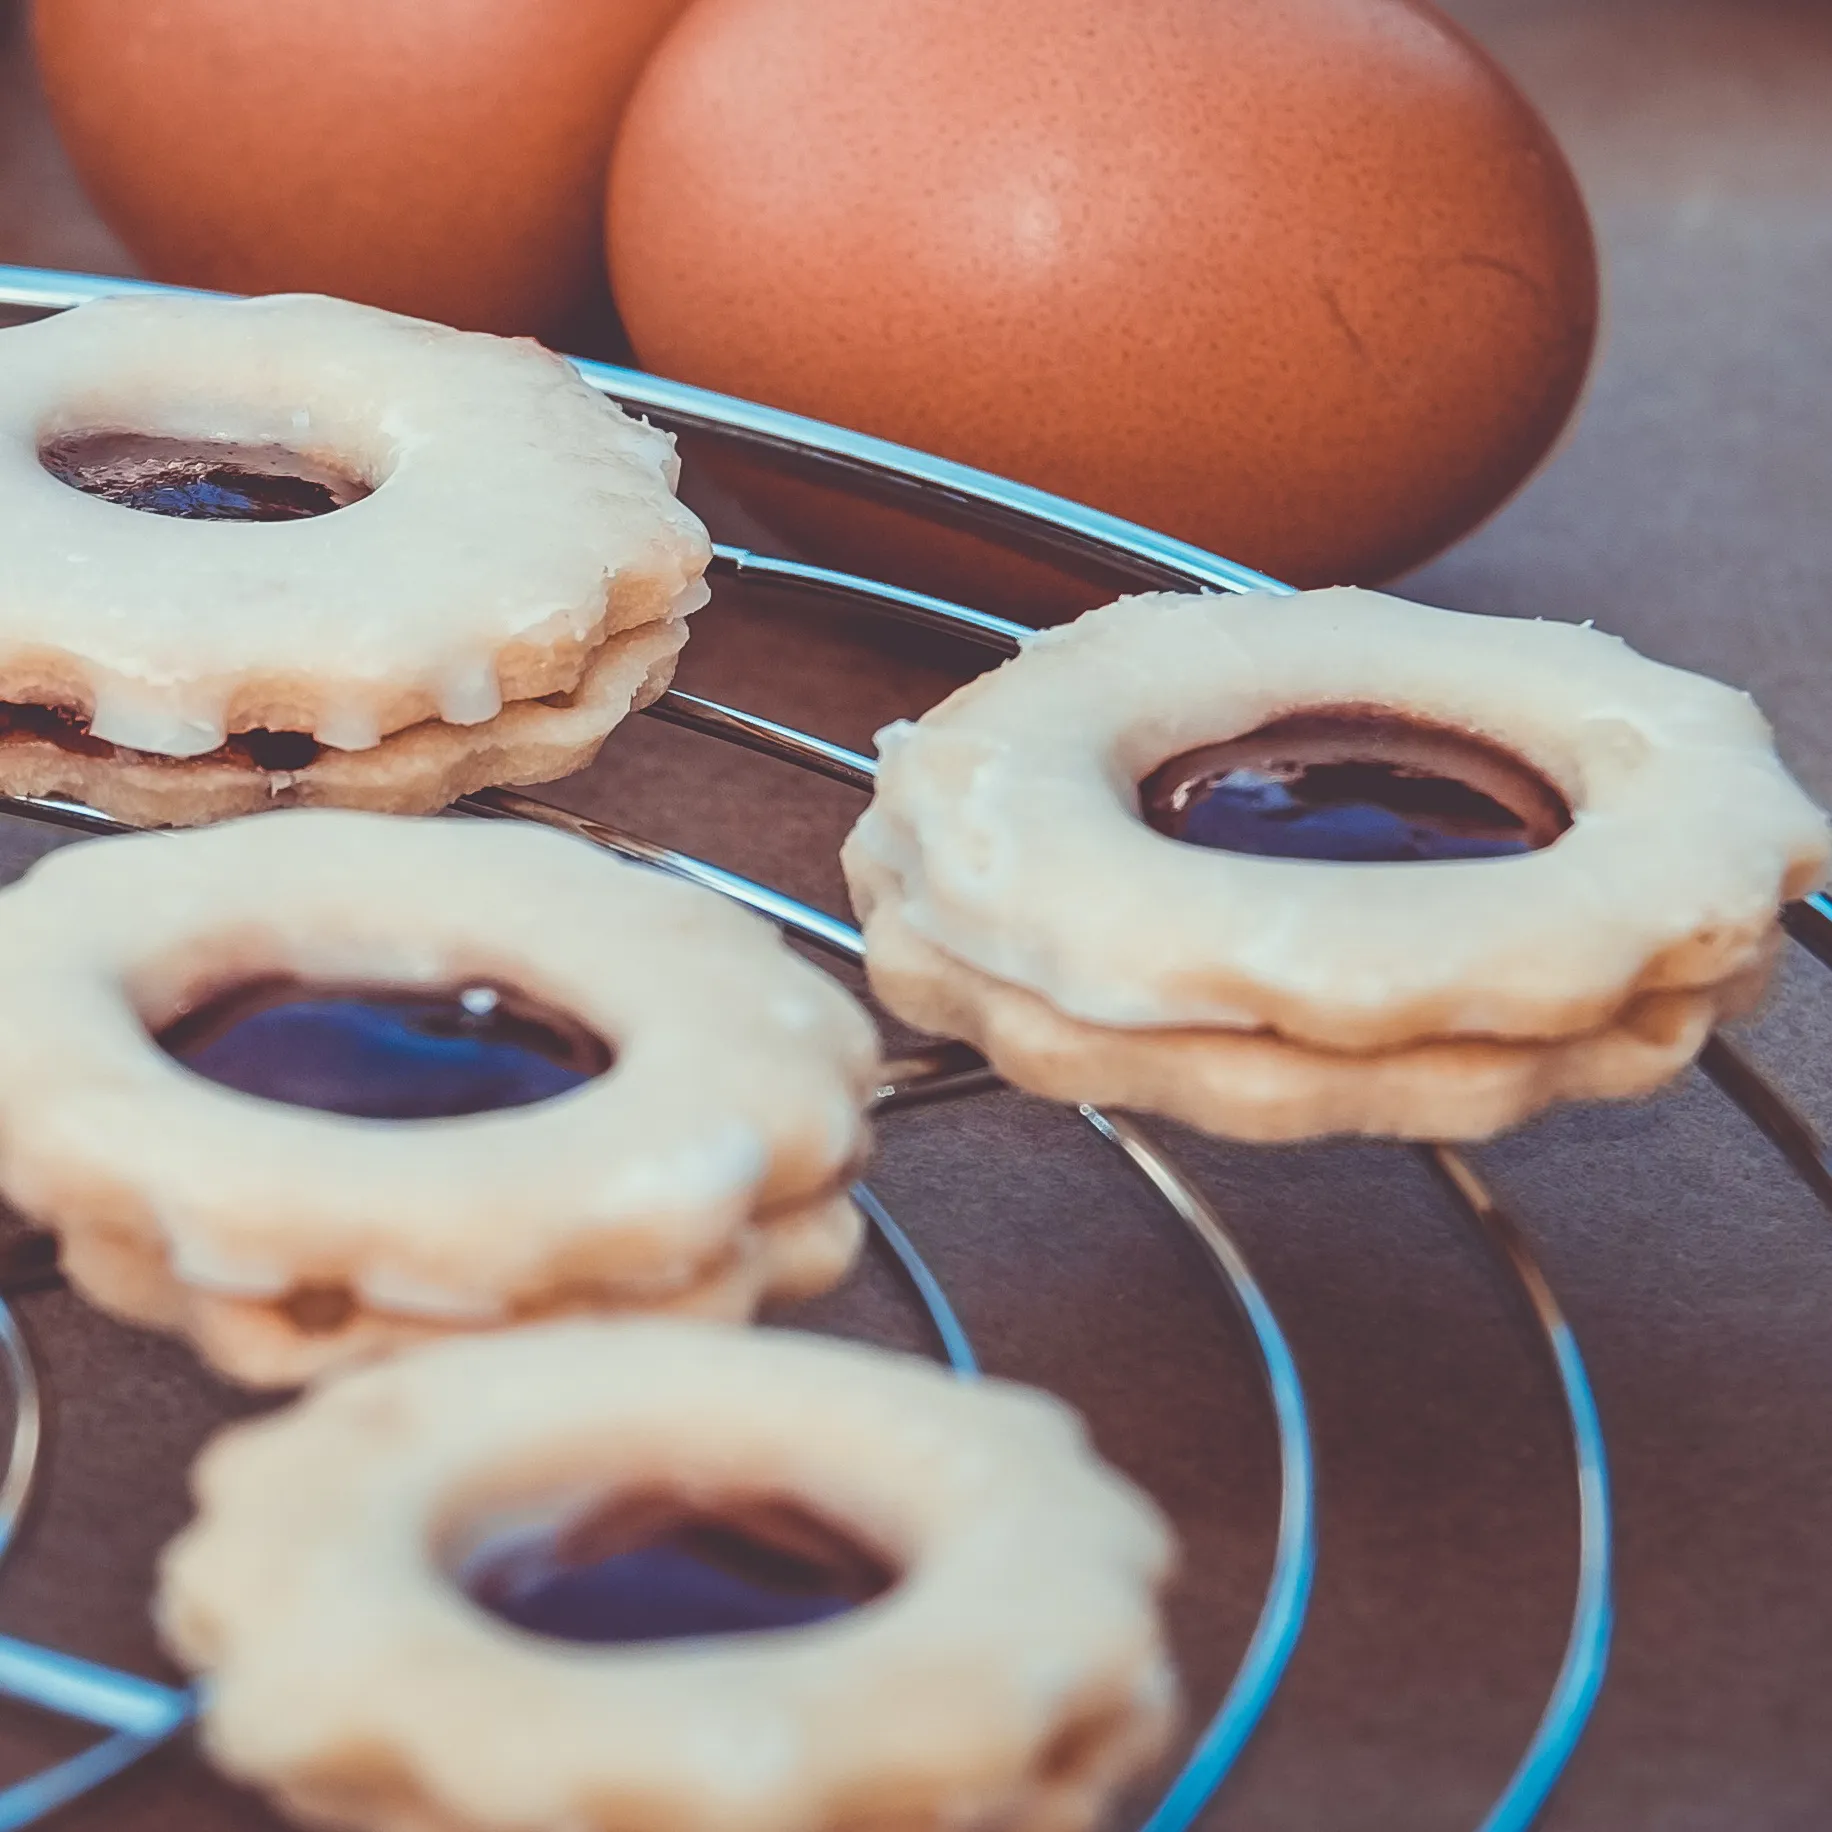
[292,549]
[309,1087]
[1336,862]
[600,1575]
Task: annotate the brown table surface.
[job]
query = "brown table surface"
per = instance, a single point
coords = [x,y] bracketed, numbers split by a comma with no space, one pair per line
[1692,512]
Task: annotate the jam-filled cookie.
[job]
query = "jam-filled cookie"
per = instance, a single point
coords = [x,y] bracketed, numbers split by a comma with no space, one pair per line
[1337,862]
[311,1086]
[606,1575]
[297,550]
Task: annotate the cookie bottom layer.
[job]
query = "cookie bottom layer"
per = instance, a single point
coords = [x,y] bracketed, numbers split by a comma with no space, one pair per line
[416,771]
[1262,1088]
[271,1341]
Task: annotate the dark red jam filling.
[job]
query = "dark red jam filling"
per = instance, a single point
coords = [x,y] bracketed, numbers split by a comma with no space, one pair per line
[58,725]
[199,480]
[385,1054]
[1355,785]
[69,731]
[653,1570]
[276,751]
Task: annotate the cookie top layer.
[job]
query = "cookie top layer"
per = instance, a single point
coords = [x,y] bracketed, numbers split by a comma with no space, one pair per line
[514,517]
[1006,828]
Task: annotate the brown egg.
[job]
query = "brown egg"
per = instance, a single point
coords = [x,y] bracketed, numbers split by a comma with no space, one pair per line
[445,160]
[1304,281]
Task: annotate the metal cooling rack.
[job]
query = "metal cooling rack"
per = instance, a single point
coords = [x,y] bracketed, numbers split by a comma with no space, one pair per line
[140,1714]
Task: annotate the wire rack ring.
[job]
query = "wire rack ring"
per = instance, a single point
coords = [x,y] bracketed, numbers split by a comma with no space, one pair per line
[141,1714]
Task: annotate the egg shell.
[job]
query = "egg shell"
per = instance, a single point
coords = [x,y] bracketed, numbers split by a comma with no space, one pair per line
[1304,281]
[444,160]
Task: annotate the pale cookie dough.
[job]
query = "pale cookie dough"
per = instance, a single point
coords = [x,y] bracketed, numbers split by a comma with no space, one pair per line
[705,1172]
[1256,1086]
[1011,893]
[512,521]
[1012,1678]
[418,770]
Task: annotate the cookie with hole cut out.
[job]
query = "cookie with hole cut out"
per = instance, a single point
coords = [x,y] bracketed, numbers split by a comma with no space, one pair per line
[1331,862]
[312,1086]
[297,550]
[603,1575]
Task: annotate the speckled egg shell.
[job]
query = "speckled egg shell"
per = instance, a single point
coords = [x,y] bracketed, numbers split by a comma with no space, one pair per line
[1305,281]
[442,160]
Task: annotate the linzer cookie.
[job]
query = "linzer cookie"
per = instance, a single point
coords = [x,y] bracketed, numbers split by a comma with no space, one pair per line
[297,550]
[309,1087]
[1330,863]
[606,1575]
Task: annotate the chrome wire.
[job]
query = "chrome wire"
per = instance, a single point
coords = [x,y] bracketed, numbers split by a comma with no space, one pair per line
[26,1802]
[1580,1675]
[1809,923]
[764,737]
[1275,1636]
[28,1263]
[947,1071]
[893,602]
[28,1427]
[141,1713]
[59,1682]
[825,932]
[1772,1113]
[54,811]
[949,1330]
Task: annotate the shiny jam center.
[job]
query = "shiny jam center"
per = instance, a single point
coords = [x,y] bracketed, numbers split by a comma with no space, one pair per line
[1358,786]
[653,1570]
[199,480]
[385,1054]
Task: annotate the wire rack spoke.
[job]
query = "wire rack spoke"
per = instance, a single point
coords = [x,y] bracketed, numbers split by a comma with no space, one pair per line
[103,1696]
[1773,1114]
[803,919]
[27,1802]
[54,811]
[28,1263]
[948,1071]
[16,1487]
[140,1713]
[764,737]
[1809,922]
[895,603]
